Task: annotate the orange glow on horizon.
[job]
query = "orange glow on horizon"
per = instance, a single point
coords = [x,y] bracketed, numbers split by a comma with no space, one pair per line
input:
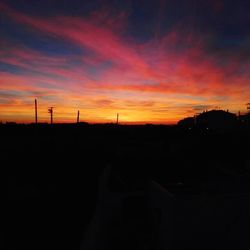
[160,80]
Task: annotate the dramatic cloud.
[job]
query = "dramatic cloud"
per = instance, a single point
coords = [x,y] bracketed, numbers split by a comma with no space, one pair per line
[97,63]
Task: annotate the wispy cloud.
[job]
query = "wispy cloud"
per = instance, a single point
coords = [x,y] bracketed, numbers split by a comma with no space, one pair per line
[112,68]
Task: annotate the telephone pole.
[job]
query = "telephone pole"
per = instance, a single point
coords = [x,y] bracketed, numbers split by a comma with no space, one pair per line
[35,111]
[78,117]
[50,110]
[117,118]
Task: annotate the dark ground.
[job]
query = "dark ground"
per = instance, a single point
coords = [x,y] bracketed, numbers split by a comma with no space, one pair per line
[52,172]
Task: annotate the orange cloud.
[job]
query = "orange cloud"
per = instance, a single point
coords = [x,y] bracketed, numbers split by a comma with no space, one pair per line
[168,76]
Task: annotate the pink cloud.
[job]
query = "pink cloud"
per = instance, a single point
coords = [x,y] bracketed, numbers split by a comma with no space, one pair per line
[174,63]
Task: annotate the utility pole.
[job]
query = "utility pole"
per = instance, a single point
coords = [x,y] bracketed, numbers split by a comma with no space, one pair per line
[50,110]
[35,111]
[117,118]
[78,117]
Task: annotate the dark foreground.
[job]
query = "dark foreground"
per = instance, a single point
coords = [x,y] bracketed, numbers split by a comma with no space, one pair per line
[52,173]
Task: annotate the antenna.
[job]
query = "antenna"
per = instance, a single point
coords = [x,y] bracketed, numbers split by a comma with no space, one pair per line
[117,118]
[35,111]
[78,116]
[50,110]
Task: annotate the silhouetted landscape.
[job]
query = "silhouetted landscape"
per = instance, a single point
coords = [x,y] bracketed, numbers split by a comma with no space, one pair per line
[125,124]
[53,173]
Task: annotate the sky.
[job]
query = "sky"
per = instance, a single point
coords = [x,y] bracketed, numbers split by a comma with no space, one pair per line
[150,61]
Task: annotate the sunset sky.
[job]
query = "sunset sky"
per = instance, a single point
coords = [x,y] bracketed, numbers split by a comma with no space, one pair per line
[150,61]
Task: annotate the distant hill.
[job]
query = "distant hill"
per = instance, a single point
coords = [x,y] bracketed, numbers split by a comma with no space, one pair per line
[219,120]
